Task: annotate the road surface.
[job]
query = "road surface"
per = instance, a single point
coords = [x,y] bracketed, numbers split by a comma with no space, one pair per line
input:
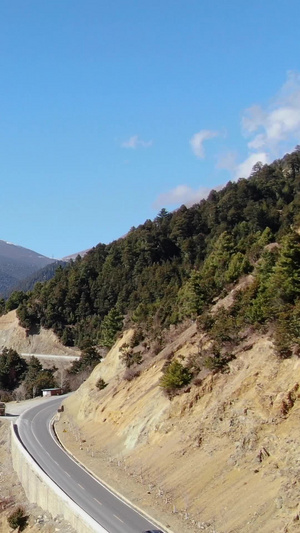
[69,358]
[96,500]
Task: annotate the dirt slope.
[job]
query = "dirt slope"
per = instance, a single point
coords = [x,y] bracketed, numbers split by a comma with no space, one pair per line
[222,457]
[13,336]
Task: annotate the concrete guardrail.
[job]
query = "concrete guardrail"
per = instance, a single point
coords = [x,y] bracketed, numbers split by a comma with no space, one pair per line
[40,489]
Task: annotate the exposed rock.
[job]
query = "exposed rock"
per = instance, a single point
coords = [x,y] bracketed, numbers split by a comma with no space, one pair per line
[221,457]
[14,336]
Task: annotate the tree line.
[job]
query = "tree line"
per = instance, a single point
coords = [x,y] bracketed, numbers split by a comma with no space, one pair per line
[172,268]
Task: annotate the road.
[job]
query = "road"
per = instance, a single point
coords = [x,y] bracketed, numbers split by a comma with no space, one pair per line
[96,500]
[41,356]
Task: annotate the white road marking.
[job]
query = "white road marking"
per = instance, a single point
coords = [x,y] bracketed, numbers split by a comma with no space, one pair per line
[118,518]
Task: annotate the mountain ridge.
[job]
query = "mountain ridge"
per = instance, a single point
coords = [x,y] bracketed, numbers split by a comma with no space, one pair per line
[18,263]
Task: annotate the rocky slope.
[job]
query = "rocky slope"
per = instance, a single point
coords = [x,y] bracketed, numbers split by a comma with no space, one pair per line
[220,457]
[46,342]
[223,456]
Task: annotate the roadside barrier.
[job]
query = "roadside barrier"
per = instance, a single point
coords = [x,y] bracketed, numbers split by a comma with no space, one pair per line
[40,489]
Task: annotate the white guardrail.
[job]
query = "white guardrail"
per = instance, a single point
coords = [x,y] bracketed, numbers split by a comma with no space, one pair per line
[40,489]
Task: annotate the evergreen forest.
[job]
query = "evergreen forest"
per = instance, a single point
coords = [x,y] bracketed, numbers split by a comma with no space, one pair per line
[171,269]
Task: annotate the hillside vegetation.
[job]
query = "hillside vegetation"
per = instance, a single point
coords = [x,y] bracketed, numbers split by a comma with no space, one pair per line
[172,268]
[221,457]
[194,412]
[41,275]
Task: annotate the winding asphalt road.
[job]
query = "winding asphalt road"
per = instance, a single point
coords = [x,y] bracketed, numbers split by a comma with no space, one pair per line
[97,501]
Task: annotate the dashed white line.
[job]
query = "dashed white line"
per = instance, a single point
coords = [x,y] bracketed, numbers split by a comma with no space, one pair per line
[97,501]
[118,518]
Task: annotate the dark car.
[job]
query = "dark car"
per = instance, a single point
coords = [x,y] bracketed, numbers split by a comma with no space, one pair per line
[153,531]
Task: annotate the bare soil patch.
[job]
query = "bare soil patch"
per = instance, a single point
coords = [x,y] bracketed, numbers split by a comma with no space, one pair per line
[221,457]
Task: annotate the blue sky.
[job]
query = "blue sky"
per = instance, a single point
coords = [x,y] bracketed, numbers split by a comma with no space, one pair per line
[111,110]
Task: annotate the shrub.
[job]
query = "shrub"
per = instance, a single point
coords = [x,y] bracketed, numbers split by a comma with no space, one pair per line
[6,396]
[137,338]
[101,384]
[205,322]
[131,373]
[175,376]
[129,356]
[17,519]
[218,362]
[224,327]
[287,331]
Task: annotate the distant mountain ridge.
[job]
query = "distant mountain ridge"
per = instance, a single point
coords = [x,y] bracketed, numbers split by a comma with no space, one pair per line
[18,263]
[72,257]
[41,275]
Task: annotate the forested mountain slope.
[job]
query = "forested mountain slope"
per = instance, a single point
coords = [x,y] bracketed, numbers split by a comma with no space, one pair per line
[197,404]
[173,267]
[16,264]
[41,275]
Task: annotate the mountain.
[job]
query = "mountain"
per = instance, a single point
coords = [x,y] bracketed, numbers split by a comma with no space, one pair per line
[72,257]
[18,263]
[173,267]
[43,274]
[194,412]
[12,335]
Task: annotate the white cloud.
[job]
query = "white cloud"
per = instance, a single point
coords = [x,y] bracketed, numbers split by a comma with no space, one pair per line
[197,140]
[270,131]
[280,124]
[274,130]
[243,170]
[182,194]
[134,142]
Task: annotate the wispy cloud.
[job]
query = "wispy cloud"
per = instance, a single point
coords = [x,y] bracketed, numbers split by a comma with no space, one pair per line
[182,194]
[134,142]
[274,129]
[268,132]
[243,170]
[198,139]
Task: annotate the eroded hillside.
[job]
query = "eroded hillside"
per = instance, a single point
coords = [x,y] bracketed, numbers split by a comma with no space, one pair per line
[221,456]
[12,335]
